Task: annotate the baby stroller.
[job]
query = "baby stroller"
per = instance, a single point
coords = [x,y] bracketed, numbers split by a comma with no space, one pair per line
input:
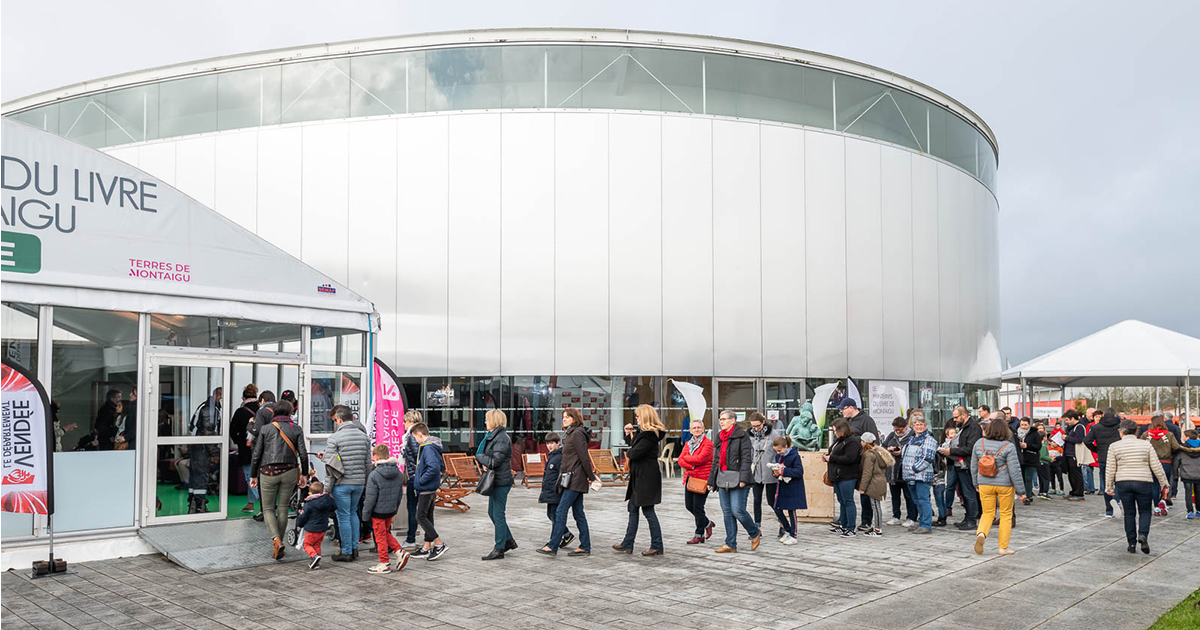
[294,537]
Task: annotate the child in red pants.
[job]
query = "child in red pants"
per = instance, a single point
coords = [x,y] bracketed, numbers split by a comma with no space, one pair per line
[314,519]
[381,501]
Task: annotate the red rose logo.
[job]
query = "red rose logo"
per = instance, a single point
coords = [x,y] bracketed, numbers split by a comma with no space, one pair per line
[17,477]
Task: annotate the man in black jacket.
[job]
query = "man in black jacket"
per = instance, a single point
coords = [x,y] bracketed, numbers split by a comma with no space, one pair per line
[961,450]
[1102,435]
[1073,434]
[860,423]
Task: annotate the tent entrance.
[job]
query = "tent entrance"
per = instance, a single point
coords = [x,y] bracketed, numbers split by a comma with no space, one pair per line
[194,470]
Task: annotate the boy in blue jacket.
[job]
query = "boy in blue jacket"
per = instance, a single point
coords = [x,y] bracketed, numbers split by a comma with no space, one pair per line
[426,480]
[314,518]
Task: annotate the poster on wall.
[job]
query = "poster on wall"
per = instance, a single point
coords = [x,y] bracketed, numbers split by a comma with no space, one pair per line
[389,410]
[26,435]
[888,400]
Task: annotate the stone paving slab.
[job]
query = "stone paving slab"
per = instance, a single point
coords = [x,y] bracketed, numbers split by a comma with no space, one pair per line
[1071,570]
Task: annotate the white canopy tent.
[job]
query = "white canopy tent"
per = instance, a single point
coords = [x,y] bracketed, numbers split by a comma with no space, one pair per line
[1130,353]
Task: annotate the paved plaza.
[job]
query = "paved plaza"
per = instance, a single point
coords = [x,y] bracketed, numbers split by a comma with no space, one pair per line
[1071,570]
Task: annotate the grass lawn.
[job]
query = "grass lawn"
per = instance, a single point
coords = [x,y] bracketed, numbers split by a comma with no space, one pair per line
[1182,616]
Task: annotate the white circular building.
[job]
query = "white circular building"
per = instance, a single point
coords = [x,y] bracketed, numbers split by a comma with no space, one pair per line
[550,216]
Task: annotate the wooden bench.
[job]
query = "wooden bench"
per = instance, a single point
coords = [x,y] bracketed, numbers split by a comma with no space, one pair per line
[605,464]
[535,469]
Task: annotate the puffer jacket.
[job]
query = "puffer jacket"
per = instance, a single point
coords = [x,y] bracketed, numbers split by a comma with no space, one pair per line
[699,463]
[1102,435]
[271,448]
[875,464]
[738,456]
[349,444]
[845,458]
[917,458]
[497,456]
[428,476]
[385,486]
[1189,462]
[762,455]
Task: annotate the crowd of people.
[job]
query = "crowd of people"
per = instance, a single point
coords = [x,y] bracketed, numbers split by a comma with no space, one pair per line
[980,465]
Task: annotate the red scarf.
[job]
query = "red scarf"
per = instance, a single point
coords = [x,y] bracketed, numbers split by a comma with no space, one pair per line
[1157,434]
[725,444]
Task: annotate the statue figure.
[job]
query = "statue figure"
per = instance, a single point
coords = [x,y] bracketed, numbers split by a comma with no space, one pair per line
[803,429]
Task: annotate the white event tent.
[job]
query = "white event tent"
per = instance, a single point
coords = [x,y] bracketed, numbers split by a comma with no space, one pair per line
[1129,353]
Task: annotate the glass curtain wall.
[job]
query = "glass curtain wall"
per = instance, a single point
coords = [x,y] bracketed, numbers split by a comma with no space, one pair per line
[521,76]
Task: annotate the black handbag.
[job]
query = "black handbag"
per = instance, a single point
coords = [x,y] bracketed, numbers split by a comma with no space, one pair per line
[487,482]
[564,480]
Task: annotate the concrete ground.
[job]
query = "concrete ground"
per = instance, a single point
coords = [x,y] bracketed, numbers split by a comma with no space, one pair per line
[1071,570]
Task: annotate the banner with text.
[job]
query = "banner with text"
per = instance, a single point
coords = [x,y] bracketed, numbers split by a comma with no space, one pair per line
[389,410]
[25,434]
[888,400]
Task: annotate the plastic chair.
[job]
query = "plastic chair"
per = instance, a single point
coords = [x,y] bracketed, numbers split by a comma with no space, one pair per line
[666,458]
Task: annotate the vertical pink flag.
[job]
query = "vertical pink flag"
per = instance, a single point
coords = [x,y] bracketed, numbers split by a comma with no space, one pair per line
[389,411]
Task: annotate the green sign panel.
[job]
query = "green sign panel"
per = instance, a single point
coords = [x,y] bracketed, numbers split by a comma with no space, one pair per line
[20,253]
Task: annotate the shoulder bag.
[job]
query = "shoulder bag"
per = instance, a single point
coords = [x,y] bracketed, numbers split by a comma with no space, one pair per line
[487,483]
[697,485]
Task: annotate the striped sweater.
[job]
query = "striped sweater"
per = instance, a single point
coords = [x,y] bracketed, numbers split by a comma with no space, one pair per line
[1131,459]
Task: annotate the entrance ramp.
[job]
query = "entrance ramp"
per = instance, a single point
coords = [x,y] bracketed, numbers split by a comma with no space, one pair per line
[216,546]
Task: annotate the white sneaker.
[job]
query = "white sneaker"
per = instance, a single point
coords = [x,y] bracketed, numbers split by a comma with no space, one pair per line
[788,540]
[895,521]
[907,523]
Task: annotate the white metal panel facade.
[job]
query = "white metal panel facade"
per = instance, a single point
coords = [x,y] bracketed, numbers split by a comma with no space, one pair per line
[575,242]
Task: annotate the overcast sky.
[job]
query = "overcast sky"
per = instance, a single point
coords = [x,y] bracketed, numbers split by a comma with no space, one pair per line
[1095,104]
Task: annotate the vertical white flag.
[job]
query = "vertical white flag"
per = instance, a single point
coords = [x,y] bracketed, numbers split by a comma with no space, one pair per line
[694,396]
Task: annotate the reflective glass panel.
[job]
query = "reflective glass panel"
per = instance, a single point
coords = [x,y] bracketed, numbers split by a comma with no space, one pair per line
[84,120]
[249,98]
[19,324]
[870,109]
[524,69]
[44,118]
[463,78]
[217,332]
[330,389]
[338,346]
[740,397]
[316,90]
[447,411]
[132,115]
[593,397]
[383,84]
[187,106]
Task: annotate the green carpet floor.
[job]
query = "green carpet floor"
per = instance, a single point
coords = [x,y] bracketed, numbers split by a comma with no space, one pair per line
[175,502]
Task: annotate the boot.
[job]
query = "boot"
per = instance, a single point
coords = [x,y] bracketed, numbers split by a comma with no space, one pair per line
[201,503]
[192,509]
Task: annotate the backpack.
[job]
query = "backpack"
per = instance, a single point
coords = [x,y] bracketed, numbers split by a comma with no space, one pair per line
[987,463]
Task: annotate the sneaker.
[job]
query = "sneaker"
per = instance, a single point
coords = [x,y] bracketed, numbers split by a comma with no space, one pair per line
[315,563]
[920,530]
[893,521]
[1162,505]
[788,540]
[1191,515]
[849,533]
[864,528]
[343,557]
[400,559]
[1005,552]
[907,523]
[380,569]
[436,552]
[1158,512]
[566,539]
[1108,515]
[1044,496]
[419,553]
[836,529]
[874,533]
[979,538]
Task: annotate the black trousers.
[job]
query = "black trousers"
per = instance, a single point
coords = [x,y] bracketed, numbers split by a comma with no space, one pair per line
[1074,475]
[759,490]
[695,504]
[1043,472]
[868,511]
[425,515]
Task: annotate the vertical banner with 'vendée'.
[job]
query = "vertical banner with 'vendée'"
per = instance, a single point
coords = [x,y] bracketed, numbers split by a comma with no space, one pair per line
[389,411]
[26,435]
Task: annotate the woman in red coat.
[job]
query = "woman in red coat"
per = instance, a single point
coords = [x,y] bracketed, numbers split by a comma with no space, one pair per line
[696,462]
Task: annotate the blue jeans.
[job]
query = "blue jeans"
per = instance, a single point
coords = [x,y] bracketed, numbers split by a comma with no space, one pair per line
[733,508]
[656,541]
[1136,498]
[572,501]
[346,497]
[497,505]
[939,495]
[920,490]
[844,490]
[410,504]
[951,492]
[1157,486]
[1089,481]
[252,493]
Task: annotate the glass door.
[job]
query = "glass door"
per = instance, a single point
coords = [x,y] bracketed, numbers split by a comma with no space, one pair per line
[738,396]
[188,454]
